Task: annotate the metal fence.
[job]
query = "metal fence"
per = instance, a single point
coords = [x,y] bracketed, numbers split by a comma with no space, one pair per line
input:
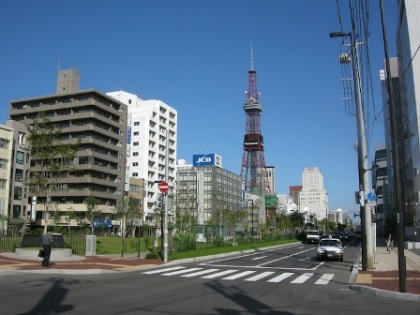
[76,242]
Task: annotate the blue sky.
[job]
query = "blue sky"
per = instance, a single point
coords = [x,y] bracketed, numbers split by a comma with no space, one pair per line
[194,55]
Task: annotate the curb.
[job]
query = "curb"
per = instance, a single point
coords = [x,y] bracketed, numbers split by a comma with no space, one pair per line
[375,291]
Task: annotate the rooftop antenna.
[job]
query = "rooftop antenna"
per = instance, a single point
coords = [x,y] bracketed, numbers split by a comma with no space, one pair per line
[59,62]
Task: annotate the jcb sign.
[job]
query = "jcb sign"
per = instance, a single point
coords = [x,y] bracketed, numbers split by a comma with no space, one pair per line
[206,160]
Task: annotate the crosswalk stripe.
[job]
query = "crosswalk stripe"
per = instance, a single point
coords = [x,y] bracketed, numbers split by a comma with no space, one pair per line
[233,274]
[302,278]
[199,273]
[260,276]
[239,275]
[178,272]
[219,274]
[325,278]
[281,277]
[162,270]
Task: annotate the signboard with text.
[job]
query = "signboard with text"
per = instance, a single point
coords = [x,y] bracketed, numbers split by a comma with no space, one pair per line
[207,160]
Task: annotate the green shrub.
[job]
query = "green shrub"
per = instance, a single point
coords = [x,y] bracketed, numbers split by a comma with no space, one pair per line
[184,241]
[154,255]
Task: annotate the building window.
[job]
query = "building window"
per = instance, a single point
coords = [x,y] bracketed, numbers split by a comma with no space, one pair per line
[3,184]
[4,144]
[135,163]
[16,211]
[135,154]
[17,195]
[136,133]
[3,163]
[20,157]
[19,176]
[136,123]
[135,144]
[135,174]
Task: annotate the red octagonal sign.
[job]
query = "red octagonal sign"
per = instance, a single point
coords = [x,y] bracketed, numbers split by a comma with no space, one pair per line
[163,187]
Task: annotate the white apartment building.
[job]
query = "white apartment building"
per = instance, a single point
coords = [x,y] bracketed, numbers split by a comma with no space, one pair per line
[340,216]
[6,145]
[313,199]
[151,145]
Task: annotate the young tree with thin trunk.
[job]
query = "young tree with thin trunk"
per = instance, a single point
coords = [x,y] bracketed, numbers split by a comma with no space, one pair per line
[51,160]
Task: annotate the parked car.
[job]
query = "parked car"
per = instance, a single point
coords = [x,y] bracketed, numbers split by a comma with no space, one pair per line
[330,248]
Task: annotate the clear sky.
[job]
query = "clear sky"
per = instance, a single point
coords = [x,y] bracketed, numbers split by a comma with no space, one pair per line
[194,55]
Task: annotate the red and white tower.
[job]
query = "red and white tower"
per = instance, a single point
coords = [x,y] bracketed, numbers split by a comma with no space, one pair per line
[253,170]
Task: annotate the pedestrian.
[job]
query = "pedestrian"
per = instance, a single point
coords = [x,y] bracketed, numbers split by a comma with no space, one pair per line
[47,240]
[389,244]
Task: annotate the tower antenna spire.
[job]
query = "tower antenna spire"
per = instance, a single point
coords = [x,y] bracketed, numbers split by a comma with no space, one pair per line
[252,57]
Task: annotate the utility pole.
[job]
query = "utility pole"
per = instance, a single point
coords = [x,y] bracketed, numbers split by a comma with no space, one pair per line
[402,274]
[363,163]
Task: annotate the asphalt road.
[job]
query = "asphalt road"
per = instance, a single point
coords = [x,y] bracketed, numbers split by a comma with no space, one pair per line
[287,281]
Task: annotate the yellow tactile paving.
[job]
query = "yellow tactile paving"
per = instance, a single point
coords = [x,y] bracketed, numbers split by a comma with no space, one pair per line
[364,278]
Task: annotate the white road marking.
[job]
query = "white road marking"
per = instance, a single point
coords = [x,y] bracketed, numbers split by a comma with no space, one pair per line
[302,278]
[260,276]
[178,272]
[219,274]
[325,278]
[281,277]
[258,258]
[233,274]
[199,273]
[239,275]
[162,270]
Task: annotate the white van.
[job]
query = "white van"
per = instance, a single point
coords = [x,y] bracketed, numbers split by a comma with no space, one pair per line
[312,236]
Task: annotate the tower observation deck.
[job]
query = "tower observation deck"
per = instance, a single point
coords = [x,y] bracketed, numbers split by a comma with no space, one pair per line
[253,171]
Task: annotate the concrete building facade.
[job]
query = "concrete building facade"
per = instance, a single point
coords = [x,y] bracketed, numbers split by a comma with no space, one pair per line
[6,161]
[98,124]
[313,198]
[19,204]
[151,145]
[210,192]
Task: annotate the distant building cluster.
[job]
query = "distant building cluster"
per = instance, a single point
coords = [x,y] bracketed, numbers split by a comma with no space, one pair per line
[126,147]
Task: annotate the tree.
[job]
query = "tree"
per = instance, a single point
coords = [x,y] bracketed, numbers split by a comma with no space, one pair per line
[3,221]
[91,204]
[129,210]
[51,160]
[186,208]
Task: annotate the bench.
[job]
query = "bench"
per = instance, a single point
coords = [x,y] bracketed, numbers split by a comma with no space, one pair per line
[35,241]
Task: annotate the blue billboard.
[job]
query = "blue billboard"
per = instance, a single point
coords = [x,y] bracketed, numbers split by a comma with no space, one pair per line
[207,160]
[102,222]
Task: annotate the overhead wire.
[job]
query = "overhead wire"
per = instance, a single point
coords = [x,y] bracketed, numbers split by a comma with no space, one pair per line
[346,73]
[360,20]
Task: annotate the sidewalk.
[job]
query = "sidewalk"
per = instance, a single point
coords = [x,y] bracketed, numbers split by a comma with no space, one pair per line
[383,279]
[10,262]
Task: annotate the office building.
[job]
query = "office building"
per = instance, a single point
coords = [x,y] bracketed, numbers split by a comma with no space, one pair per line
[313,199]
[209,193]
[407,96]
